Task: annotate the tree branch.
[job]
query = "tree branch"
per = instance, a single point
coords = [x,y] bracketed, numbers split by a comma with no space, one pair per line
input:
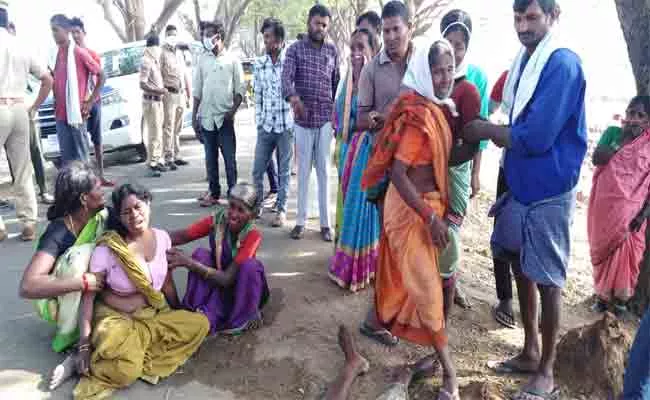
[171,6]
[110,18]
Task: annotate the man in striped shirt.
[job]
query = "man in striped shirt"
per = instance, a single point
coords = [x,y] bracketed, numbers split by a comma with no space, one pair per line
[309,80]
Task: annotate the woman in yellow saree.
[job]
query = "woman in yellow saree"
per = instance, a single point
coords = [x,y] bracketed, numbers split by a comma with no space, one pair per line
[414,146]
[141,332]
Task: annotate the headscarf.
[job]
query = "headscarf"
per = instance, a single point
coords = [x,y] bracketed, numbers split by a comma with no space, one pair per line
[418,76]
[461,70]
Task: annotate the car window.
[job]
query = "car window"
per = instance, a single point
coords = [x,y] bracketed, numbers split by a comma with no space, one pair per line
[122,62]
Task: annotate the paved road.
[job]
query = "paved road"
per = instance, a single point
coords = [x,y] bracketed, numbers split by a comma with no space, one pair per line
[26,358]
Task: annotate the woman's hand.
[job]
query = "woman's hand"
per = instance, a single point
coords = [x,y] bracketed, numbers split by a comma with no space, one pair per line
[177,258]
[82,361]
[439,232]
[93,281]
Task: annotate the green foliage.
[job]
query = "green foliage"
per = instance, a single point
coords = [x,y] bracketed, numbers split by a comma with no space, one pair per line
[293,13]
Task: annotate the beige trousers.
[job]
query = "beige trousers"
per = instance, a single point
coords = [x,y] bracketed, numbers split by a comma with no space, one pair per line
[152,112]
[173,122]
[14,135]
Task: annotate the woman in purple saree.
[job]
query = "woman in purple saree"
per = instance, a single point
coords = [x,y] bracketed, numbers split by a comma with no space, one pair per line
[226,282]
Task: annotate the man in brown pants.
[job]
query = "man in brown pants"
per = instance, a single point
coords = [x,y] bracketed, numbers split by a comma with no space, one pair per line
[176,82]
[153,91]
[15,66]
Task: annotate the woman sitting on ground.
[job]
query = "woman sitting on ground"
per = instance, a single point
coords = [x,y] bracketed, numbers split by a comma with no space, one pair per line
[414,146]
[58,273]
[226,282]
[619,207]
[140,332]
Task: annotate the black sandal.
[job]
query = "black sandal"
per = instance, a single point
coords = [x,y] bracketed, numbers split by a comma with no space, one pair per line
[504,318]
[382,335]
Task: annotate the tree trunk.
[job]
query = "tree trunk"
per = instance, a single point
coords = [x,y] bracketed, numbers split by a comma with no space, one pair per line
[171,6]
[634,16]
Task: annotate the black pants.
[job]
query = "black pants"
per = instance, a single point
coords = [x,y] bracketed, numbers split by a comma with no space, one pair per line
[222,139]
[502,274]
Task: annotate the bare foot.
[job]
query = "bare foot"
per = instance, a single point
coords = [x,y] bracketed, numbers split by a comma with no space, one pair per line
[62,372]
[353,359]
[540,382]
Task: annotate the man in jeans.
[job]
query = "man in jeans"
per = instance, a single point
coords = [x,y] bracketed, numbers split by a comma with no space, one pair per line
[218,92]
[273,117]
[94,124]
[309,80]
[15,66]
[71,113]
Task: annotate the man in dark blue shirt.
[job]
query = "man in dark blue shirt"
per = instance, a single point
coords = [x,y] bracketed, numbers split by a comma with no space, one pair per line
[545,143]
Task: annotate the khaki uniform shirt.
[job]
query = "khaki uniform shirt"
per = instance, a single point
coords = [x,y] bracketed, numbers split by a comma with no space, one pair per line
[150,73]
[172,68]
[15,66]
[217,79]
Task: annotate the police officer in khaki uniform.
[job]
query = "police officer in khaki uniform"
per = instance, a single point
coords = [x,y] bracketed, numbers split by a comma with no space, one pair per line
[175,80]
[153,90]
[15,66]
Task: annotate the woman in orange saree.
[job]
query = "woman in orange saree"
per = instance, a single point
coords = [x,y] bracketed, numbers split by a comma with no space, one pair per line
[414,146]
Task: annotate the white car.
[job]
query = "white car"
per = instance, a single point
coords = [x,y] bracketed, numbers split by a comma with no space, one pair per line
[121,97]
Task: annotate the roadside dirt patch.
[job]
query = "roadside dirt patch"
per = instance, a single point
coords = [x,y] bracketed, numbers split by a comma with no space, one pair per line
[591,359]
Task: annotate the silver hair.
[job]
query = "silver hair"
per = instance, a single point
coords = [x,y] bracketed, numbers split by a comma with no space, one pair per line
[246,193]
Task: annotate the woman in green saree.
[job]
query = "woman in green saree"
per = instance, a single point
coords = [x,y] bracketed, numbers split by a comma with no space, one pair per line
[57,274]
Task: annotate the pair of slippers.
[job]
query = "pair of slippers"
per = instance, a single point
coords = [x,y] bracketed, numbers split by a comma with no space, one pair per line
[509,367]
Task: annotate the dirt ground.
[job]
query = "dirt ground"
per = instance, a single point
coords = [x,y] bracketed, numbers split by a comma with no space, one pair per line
[295,355]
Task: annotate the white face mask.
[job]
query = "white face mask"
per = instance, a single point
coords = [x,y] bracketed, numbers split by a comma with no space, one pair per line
[171,41]
[208,42]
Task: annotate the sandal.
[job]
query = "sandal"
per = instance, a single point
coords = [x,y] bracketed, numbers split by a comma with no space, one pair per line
[535,394]
[382,335]
[508,367]
[209,201]
[251,324]
[504,318]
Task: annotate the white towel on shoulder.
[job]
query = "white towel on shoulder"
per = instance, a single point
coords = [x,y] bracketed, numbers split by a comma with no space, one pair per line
[516,102]
[72,103]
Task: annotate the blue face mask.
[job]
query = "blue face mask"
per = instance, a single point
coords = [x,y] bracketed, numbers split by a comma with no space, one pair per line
[208,42]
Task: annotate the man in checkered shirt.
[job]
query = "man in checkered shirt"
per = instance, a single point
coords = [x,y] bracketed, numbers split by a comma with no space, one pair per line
[273,117]
[309,80]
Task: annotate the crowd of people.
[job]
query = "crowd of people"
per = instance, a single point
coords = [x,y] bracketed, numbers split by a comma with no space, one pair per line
[409,124]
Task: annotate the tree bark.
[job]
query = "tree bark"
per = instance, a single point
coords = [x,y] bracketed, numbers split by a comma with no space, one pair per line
[634,16]
[171,6]
[112,21]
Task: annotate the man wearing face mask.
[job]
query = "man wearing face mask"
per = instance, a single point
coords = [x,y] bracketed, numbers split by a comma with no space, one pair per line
[153,90]
[175,80]
[218,92]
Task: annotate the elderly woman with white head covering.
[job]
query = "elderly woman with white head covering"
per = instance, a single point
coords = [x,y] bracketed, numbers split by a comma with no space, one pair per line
[226,282]
[414,147]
